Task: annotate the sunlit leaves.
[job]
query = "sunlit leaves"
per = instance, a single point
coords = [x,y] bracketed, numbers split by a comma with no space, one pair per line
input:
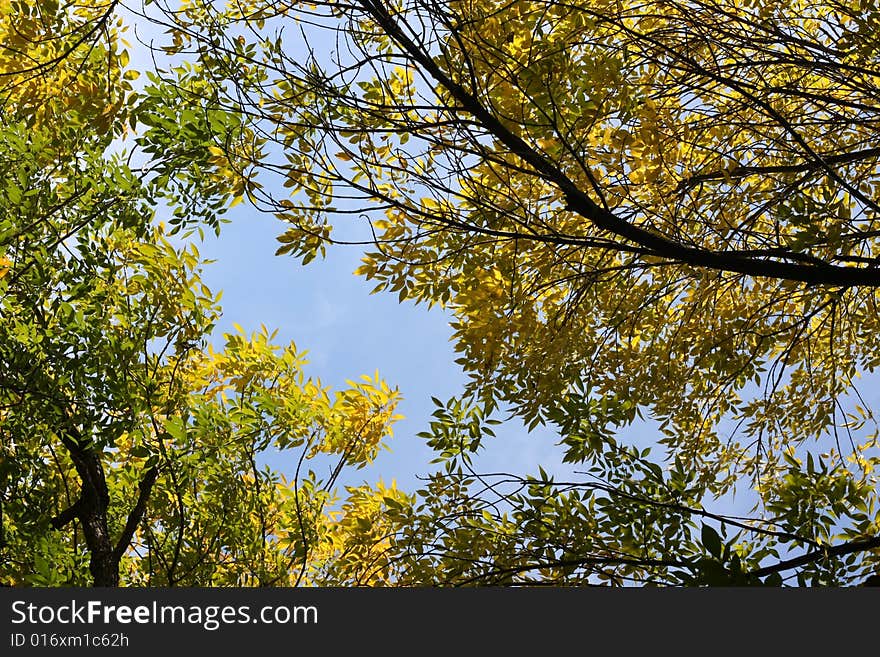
[632,211]
[111,394]
[62,68]
[720,152]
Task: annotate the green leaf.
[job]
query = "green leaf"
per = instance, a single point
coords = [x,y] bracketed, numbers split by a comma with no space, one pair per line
[711,541]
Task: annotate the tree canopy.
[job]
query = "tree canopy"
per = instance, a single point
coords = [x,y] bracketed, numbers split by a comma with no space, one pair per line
[657,215]
[133,451]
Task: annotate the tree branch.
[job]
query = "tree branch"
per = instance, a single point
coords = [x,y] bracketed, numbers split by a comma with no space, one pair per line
[68,515]
[743,171]
[583,561]
[579,202]
[858,545]
[145,488]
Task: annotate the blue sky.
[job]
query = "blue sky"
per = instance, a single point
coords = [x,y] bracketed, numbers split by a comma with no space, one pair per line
[328,311]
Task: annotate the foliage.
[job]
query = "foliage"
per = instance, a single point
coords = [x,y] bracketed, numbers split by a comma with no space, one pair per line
[660,211]
[655,216]
[130,447]
[62,69]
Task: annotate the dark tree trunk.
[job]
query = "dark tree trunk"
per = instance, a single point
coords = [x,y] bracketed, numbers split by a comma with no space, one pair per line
[93,504]
[91,510]
[104,564]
